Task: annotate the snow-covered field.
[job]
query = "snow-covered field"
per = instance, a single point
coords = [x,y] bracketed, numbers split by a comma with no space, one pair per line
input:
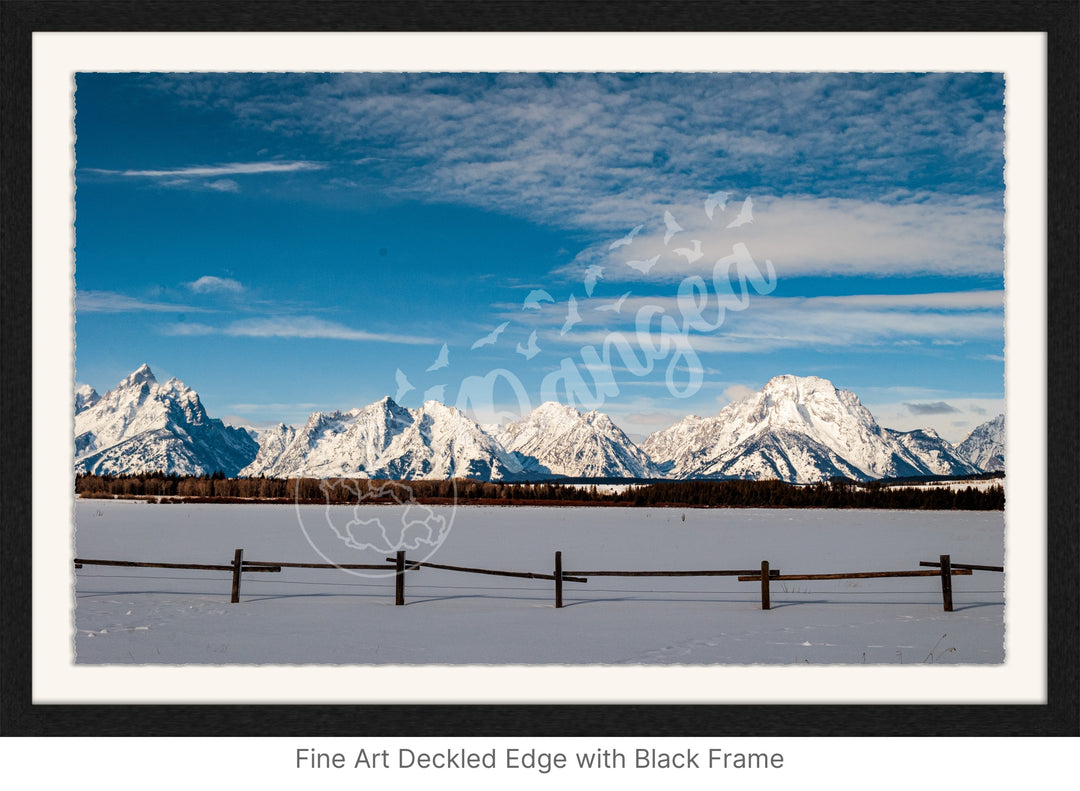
[166,616]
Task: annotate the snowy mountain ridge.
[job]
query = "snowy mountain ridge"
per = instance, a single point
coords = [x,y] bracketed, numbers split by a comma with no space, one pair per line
[800,430]
[385,440]
[555,439]
[796,429]
[985,446]
[143,426]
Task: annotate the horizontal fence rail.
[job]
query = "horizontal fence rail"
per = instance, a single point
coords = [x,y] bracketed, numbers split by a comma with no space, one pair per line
[972,566]
[383,566]
[414,565]
[560,575]
[80,562]
[732,573]
[854,575]
[237,567]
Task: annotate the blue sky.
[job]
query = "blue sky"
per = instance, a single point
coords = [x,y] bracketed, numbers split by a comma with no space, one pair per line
[286,243]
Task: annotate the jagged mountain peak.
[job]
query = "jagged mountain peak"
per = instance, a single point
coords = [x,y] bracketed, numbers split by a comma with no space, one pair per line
[792,384]
[85,397]
[929,432]
[936,453]
[386,440]
[144,426]
[798,428]
[432,406]
[556,439]
[138,377]
[553,410]
[985,445]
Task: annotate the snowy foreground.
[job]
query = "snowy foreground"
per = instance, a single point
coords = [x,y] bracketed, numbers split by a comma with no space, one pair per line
[301,616]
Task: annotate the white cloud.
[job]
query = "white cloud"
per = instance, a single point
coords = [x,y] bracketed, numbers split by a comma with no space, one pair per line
[111,302]
[312,327]
[771,323]
[810,236]
[291,327]
[209,284]
[738,392]
[223,185]
[211,171]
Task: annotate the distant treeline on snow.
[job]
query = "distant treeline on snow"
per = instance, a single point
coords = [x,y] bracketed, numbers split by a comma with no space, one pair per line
[700,493]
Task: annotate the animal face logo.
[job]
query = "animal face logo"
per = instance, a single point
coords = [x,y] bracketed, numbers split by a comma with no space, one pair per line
[363,522]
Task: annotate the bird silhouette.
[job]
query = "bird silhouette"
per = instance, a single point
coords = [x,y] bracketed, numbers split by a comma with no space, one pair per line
[691,255]
[592,274]
[536,296]
[718,200]
[491,337]
[626,239]
[436,393]
[644,266]
[616,306]
[572,316]
[531,349]
[442,361]
[403,384]
[745,214]
[672,226]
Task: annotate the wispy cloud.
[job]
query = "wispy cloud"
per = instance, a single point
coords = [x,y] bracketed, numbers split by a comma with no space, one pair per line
[934,408]
[602,151]
[772,323]
[189,328]
[209,283]
[213,171]
[293,327]
[112,302]
[223,185]
[208,177]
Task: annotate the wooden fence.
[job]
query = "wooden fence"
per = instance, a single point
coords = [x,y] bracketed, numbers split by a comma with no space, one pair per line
[400,565]
[946,573]
[237,567]
[560,575]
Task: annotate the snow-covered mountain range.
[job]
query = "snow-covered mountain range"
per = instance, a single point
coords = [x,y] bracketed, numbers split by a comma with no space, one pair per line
[558,440]
[385,440]
[797,429]
[144,426]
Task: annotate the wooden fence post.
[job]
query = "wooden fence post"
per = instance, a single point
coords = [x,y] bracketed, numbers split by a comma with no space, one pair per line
[238,559]
[399,587]
[765,603]
[558,580]
[946,582]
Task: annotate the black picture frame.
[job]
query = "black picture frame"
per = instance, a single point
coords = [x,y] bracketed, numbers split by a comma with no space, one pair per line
[1059,716]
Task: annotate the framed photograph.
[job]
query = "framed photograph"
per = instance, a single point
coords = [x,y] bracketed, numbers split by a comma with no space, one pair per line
[539,370]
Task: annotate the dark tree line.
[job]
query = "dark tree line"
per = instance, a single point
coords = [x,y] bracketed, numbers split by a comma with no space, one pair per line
[727,493]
